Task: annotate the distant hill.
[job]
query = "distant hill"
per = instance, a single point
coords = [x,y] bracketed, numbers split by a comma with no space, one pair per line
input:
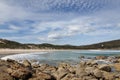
[11,44]
[115,44]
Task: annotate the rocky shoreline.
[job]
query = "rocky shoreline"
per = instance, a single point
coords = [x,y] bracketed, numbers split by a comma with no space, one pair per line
[84,70]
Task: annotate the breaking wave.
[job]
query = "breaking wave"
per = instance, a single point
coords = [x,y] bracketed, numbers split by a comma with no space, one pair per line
[25,56]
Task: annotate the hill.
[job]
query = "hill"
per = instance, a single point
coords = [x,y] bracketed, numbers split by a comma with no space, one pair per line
[11,44]
[115,44]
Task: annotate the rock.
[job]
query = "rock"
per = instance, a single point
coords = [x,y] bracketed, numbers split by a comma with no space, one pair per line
[83,64]
[117,57]
[91,63]
[5,76]
[61,72]
[26,63]
[115,61]
[60,75]
[64,65]
[117,66]
[15,70]
[117,75]
[108,76]
[9,70]
[14,65]
[100,57]
[96,79]
[33,61]
[43,67]
[67,67]
[35,65]
[69,76]
[76,78]
[72,70]
[89,70]
[81,72]
[112,59]
[80,69]
[42,76]
[105,67]
[88,78]
[21,74]
[50,69]
[10,60]
[97,73]
[85,70]
[81,57]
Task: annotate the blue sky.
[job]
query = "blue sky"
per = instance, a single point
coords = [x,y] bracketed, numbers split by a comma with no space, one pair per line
[76,22]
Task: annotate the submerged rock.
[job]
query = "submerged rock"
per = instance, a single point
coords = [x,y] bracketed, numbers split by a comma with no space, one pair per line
[81,57]
[101,57]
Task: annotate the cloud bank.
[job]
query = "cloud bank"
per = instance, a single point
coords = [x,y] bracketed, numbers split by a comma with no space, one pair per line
[60,21]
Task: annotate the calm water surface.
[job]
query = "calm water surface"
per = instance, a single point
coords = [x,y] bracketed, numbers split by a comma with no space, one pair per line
[56,56]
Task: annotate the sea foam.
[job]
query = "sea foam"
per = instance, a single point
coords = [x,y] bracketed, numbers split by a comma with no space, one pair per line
[25,56]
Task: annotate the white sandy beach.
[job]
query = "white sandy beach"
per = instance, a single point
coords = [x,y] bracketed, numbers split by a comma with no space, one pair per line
[14,51]
[17,51]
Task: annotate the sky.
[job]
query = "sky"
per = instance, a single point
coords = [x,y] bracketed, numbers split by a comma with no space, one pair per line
[75,22]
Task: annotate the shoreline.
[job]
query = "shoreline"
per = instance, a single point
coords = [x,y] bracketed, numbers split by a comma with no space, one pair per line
[18,51]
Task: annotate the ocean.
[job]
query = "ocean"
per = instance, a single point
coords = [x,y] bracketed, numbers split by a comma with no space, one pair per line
[53,57]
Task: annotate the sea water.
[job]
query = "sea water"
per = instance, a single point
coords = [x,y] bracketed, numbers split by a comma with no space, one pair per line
[53,57]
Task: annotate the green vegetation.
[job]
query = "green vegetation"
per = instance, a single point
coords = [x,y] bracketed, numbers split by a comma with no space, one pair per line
[11,44]
[115,44]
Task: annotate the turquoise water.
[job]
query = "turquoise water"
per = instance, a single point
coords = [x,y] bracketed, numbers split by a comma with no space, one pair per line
[57,56]
[64,55]
[74,55]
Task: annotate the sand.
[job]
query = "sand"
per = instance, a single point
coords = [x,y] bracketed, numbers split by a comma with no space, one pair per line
[14,51]
[18,51]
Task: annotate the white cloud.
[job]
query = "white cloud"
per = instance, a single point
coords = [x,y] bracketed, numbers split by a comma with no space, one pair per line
[59,23]
[79,29]
[15,28]
[44,10]
[55,36]
[93,26]
[9,13]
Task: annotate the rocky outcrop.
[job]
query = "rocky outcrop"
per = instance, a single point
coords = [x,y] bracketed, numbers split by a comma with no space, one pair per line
[85,70]
[42,76]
